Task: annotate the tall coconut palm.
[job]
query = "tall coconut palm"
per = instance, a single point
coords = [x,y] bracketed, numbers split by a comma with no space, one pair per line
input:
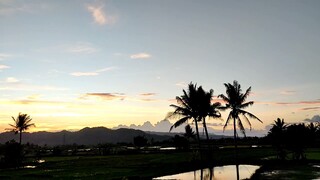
[236,102]
[187,108]
[21,123]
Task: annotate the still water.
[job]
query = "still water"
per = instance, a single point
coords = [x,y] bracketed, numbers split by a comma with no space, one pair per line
[216,173]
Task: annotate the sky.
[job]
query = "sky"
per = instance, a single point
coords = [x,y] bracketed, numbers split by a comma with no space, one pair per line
[75,64]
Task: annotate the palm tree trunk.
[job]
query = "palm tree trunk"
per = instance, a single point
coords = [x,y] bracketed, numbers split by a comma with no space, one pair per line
[20,137]
[197,131]
[235,146]
[205,128]
[198,136]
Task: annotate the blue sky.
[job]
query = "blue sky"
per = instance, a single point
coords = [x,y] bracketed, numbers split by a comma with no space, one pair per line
[103,63]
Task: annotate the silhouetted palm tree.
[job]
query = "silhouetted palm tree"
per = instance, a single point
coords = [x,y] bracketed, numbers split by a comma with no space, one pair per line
[236,102]
[21,123]
[277,134]
[189,133]
[207,109]
[187,108]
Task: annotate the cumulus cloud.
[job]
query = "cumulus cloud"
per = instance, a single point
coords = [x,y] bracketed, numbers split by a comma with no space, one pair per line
[93,73]
[314,119]
[99,15]
[140,56]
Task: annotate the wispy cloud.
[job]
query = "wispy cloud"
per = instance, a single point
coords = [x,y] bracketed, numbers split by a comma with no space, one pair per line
[104,96]
[4,56]
[84,74]
[84,48]
[148,94]
[288,92]
[9,7]
[11,80]
[2,67]
[100,16]
[28,87]
[309,108]
[140,56]
[92,73]
[182,84]
[315,102]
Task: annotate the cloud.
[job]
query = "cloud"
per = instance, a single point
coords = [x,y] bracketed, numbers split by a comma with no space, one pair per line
[140,56]
[148,94]
[315,102]
[93,73]
[4,56]
[84,48]
[288,92]
[3,67]
[314,119]
[9,7]
[182,84]
[99,15]
[161,126]
[84,74]
[309,108]
[104,96]
[28,87]
[12,80]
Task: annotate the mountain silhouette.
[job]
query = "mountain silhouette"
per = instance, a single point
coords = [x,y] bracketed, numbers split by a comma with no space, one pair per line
[85,136]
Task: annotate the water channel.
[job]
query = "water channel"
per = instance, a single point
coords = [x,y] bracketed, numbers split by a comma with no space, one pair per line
[216,173]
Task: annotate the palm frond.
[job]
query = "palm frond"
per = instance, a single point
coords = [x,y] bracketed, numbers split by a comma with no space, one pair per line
[179,122]
[227,121]
[245,95]
[240,125]
[247,120]
[245,105]
[250,115]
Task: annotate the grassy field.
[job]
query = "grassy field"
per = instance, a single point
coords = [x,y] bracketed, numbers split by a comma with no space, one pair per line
[142,166]
[146,166]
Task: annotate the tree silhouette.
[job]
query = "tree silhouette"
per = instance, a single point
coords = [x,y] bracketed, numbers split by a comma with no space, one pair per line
[278,135]
[236,102]
[207,109]
[187,108]
[195,104]
[189,133]
[21,123]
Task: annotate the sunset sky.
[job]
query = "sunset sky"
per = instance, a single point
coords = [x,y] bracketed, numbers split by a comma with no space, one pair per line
[72,64]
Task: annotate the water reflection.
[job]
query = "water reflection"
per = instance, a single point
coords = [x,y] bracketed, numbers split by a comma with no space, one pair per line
[216,173]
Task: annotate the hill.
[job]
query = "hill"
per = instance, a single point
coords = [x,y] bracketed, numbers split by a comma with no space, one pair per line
[85,136]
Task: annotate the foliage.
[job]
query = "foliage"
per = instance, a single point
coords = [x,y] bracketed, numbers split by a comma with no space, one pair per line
[181,142]
[189,133]
[13,154]
[21,123]
[236,102]
[195,104]
[294,138]
[140,141]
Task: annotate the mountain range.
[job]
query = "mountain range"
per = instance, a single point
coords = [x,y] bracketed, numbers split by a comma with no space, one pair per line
[85,136]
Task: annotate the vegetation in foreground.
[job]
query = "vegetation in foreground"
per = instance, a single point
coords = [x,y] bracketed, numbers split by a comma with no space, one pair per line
[143,166]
